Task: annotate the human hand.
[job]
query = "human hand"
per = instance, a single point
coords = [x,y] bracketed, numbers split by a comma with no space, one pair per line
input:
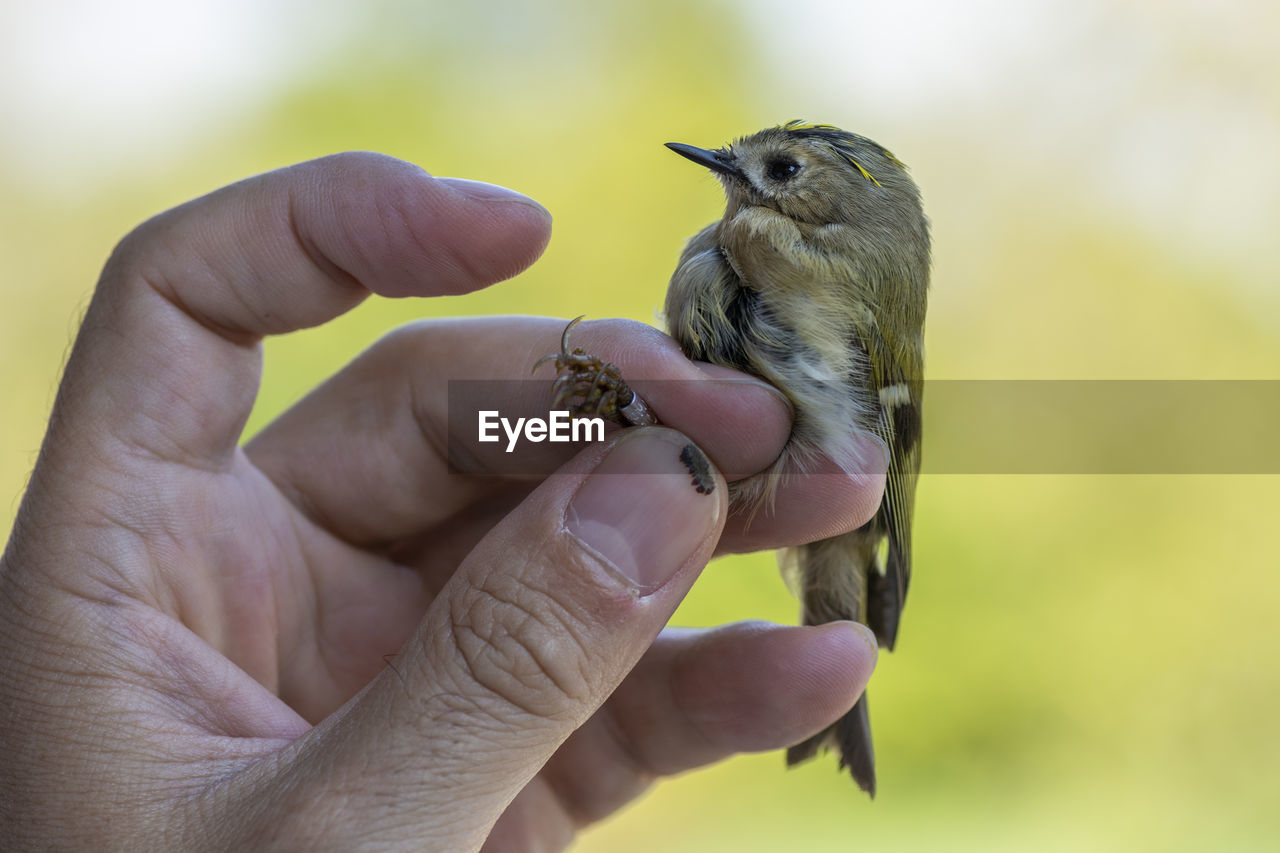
[196,636]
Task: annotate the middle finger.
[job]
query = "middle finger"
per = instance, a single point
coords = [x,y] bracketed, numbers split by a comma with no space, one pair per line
[367,454]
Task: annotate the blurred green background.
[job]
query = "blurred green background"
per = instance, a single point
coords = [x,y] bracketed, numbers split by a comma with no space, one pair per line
[1087,662]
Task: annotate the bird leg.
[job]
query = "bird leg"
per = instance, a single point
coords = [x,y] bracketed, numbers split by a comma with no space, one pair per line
[589,387]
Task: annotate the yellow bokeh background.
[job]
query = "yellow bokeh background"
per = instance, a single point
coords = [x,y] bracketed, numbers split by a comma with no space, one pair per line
[1086,662]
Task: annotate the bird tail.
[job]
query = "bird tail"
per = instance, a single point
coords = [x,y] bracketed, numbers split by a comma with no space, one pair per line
[832,576]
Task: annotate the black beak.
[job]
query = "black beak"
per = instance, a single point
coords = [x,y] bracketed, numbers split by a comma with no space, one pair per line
[716,161]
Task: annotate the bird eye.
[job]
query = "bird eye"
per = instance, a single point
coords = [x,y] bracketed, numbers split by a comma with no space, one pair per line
[782,170]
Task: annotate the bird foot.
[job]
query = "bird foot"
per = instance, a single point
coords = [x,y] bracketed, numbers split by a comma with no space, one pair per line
[590,387]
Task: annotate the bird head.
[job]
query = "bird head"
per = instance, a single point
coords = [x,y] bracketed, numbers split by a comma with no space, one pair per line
[811,173]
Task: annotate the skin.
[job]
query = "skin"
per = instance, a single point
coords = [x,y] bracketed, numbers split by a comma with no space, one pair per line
[198,639]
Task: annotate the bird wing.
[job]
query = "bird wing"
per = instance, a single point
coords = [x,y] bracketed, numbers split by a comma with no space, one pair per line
[900,427]
[707,309]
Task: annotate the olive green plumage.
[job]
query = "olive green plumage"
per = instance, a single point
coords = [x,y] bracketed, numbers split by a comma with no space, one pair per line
[816,280]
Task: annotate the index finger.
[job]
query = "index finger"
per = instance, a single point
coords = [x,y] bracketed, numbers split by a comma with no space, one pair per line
[167,360]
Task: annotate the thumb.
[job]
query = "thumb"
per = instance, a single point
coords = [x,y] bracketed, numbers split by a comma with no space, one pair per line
[533,632]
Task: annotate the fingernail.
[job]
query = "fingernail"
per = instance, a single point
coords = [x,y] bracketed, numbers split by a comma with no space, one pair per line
[858,455]
[727,374]
[647,507]
[481,191]
[865,634]
[851,647]
[871,455]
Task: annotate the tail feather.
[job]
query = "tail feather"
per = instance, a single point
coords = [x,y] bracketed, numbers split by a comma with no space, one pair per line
[851,734]
[884,607]
[839,579]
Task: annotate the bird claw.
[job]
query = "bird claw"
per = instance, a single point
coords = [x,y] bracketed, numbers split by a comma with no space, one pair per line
[589,387]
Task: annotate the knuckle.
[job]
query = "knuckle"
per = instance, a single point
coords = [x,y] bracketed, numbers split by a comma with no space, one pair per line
[520,647]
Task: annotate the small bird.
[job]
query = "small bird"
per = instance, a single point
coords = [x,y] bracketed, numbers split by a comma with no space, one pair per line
[815,280]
